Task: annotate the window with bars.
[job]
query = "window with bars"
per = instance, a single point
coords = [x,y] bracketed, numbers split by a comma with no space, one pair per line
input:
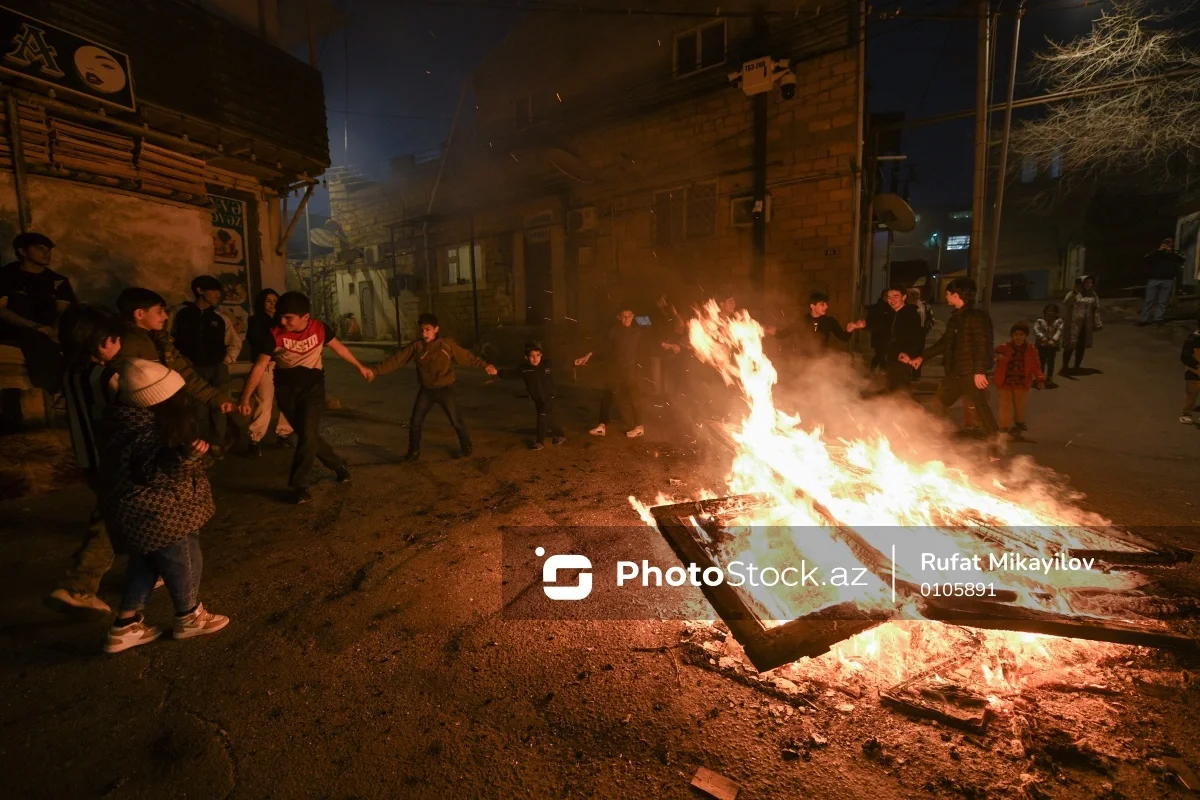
[685,214]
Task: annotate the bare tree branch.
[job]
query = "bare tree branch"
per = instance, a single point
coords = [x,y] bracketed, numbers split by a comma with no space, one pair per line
[1145,131]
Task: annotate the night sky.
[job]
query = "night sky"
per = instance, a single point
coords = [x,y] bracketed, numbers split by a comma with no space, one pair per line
[408,62]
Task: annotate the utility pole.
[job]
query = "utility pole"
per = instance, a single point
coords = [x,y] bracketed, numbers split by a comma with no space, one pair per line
[758,265]
[990,268]
[982,92]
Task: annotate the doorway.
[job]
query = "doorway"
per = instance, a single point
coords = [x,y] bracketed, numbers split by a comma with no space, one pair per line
[539,285]
[366,307]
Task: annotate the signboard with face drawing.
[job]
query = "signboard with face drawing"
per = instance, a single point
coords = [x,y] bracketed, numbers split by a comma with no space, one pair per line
[64,61]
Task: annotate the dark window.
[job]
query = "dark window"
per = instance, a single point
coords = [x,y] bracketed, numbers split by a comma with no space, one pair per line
[687,52]
[683,214]
[700,48]
[712,45]
[701,210]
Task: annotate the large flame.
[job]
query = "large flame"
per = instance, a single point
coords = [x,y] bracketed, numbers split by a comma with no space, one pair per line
[868,487]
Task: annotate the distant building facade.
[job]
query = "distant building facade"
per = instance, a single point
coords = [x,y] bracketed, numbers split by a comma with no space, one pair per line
[611,161]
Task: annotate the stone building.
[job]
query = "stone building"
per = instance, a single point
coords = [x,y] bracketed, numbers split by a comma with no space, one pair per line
[609,160]
[153,141]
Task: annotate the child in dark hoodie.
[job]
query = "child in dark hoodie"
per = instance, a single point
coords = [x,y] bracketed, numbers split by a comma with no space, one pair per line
[540,385]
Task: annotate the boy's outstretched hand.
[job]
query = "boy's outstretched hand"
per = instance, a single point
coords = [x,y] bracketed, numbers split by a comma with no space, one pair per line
[367,373]
[579,362]
[491,370]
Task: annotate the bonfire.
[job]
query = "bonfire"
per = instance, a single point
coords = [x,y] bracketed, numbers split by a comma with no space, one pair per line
[959,578]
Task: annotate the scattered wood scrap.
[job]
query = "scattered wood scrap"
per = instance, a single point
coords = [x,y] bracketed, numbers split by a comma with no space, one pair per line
[715,784]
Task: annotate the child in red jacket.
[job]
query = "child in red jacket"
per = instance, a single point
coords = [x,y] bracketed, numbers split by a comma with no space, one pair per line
[1018,367]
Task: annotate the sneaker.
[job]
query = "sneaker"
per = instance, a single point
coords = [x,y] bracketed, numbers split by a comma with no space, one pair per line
[558,439]
[285,440]
[67,602]
[1187,420]
[633,433]
[537,446]
[158,584]
[253,450]
[466,451]
[1021,426]
[342,475]
[131,635]
[599,430]
[412,455]
[303,496]
[198,623]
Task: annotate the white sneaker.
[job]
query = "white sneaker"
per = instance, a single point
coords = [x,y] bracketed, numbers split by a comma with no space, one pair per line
[132,635]
[198,623]
[633,433]
[68,602]
[599,430]
[158,584]
[1186,420]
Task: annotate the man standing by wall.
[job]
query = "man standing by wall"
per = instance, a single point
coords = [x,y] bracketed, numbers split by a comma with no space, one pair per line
[32,298]
[1161,268]
[201,334]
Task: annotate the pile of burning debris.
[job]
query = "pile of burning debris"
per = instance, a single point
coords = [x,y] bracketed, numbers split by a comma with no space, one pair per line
[969,596]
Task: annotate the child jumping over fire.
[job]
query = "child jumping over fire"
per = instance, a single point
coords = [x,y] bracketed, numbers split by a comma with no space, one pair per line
[435,359]
[540,385]
[1017,369]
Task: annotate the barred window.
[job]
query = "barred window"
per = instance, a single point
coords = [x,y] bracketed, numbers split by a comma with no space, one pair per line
[685,214]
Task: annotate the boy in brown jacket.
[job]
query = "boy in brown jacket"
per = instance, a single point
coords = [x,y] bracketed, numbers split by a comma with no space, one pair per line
[435,359]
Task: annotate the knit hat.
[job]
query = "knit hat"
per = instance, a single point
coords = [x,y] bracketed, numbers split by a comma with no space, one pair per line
[147,383]
[531,346]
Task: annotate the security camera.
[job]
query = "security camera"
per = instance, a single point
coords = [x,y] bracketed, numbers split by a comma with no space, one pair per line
[787,85]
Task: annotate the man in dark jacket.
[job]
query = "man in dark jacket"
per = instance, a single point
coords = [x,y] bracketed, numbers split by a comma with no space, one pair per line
[967,345]
[620,353]
[1190,356]
[200,334]
[539,382]
[815,327]
[902,337]
[1161,268]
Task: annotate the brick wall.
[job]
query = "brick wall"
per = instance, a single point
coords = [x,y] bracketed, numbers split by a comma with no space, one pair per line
[709,140]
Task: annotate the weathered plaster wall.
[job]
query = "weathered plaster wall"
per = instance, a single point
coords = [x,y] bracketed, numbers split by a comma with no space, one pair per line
[106,241]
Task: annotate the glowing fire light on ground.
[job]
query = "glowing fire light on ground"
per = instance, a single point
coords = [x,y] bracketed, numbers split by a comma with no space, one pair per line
[868,487]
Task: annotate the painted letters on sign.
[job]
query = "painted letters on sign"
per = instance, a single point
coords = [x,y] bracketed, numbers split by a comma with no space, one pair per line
[52,56]
[231,264]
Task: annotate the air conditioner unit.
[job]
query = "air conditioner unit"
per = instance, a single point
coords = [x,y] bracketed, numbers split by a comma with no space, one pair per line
[741,211]
[583,219]
[371,255]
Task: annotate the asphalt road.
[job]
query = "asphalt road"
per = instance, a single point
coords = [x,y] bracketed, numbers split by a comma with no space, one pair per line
[370,655]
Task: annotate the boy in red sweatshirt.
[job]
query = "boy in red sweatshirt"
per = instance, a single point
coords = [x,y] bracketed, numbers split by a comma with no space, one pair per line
[1018,367]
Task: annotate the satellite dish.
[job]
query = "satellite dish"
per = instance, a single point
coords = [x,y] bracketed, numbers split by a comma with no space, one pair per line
[893,212]
[570,165]
[333,227]
[321,237]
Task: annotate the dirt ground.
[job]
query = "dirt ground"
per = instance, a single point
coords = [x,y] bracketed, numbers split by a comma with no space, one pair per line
[370,655]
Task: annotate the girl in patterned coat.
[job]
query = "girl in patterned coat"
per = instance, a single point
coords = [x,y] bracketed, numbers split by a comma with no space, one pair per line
[155,498]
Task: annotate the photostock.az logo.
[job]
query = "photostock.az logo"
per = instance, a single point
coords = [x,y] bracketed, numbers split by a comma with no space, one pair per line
[564,562]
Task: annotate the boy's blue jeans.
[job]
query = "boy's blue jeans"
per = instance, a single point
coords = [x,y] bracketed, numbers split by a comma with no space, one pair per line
[179,565]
